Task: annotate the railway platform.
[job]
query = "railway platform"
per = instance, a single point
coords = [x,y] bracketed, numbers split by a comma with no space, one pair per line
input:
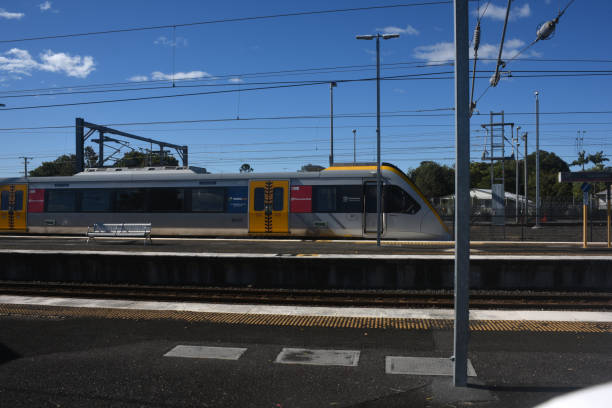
[314,264]
[93,352]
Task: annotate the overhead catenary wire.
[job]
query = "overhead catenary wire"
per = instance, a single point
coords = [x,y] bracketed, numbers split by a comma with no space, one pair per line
[229,20]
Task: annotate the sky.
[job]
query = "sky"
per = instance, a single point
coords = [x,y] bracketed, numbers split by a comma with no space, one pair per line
[287,125]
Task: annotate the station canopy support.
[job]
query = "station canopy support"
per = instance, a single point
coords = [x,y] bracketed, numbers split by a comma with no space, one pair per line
[591,177]
[82,136]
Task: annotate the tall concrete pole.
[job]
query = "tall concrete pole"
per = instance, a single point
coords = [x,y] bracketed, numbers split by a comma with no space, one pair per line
[462,192]
[537,203]
[378,176]
[525,176]
[516,175]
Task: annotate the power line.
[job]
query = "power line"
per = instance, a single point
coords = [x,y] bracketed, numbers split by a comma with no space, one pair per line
[228,20]
[424,76]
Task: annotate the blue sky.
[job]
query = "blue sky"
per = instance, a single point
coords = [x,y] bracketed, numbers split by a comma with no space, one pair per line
[224,57]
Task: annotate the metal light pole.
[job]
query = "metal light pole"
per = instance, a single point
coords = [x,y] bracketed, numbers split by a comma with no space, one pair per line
[332,85]
[537,203]
[354,146]
[378,36]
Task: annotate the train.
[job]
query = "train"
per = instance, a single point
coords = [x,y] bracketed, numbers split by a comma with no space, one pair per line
[337,202]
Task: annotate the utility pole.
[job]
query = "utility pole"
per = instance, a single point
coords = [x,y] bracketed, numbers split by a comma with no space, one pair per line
[332,85]
[25,164]
[462,193]
[354,146]
[516,174]
[525,176]
[537,201]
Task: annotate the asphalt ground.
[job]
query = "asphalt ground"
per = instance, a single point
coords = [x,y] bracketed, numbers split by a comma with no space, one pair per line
[298,246]
[74,360]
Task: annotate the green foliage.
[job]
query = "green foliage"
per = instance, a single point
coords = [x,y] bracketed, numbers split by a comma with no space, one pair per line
[433,180]
[312,167]
[246,168]
[62,166]
[598,159]
[581,160]
[140,159]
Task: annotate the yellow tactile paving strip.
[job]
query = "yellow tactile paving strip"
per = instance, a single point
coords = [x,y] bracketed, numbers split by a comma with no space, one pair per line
[300,321]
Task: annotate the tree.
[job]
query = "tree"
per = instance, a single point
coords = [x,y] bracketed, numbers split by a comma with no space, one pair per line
[140,159]
[581,160]
[62,166]
[91,158]
[433,180]
[312,167]
[597,159]
[246,168]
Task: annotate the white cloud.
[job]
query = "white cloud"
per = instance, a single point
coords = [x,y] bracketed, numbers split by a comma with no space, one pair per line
[18,61]
[445,51]
[139,78]
[45,6]
[235,80]
[10,16]
[165,41]
[157,75]
[499,13]
[410,30]
[440,52]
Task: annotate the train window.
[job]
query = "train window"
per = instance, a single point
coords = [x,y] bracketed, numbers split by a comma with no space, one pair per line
[259,199]
[344,199]
[60,200]
[167,199]
[96,200]
[18,200]
[370,198]
[278,198]
[130,200]
[397,200]
[323,199]
[348,199]
[4,199]
[208,199]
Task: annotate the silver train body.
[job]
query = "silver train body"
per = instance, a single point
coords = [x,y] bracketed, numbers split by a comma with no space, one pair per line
[336,202]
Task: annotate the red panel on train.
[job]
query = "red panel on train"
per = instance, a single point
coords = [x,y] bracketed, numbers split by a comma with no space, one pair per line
[301,199]
[36,200]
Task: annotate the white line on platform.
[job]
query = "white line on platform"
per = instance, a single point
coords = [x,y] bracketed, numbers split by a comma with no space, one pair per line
[223,255]
[355,241]
[523,315]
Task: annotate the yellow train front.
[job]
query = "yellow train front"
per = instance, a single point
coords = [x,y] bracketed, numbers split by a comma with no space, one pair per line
[339,201]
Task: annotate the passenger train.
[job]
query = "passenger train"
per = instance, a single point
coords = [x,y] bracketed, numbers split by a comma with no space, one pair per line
[339,201]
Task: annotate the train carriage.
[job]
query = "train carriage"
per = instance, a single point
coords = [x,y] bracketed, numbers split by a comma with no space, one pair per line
[339,201]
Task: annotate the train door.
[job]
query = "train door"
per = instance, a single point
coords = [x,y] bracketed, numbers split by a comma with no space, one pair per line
[13,198]
[268,206]
[369,216]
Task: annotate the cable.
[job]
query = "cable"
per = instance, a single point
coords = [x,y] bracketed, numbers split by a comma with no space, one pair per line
[228,20]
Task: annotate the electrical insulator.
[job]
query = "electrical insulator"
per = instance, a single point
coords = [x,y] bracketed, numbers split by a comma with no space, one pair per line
[494,80]
[546,30]
[476,39]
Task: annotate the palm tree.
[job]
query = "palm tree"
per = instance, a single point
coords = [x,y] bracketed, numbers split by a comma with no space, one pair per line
[581,161]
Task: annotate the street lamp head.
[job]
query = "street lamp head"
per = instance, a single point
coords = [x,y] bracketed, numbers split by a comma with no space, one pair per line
[389,36]
[333,84]
[365,37]
[536,93]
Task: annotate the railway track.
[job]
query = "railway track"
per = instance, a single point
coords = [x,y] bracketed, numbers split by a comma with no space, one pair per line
[357,298]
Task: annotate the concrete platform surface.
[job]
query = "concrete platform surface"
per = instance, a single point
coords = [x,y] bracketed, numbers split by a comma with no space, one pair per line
[298,247]
[71,360]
